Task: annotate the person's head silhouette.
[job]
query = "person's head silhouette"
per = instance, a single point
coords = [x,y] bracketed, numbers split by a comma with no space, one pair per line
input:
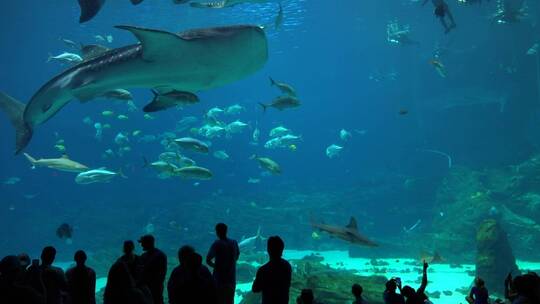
[391,285]
[221,231]
[306,297]
[479,283]
[275,247]
[357,290]
[129,247]
[407,291]
[10,268]
[147,242]
[48,255]
[80,257]
[185,254]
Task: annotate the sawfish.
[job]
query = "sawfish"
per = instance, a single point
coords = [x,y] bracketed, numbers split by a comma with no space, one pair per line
[191,61]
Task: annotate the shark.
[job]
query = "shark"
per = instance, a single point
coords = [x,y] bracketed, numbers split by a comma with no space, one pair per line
[248,243]
[348,233]
[191,61]
[62,164]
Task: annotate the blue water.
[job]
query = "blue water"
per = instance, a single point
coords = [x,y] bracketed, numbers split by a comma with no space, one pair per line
[327,50]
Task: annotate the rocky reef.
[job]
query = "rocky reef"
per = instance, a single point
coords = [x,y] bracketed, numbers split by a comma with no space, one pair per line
[494,257]
[467,197]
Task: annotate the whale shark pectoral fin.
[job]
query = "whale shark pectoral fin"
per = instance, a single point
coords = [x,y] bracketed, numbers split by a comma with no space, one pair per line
[89,9]
[14,110]
[155,43]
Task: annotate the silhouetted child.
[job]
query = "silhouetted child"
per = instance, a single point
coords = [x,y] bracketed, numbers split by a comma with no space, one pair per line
[273,279]
[33,277]
[81,281]
[357,291]
[479,293]
[306,297]
[442,11]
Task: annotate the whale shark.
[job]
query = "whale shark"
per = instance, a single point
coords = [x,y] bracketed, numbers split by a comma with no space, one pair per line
[348,233]
[190,61]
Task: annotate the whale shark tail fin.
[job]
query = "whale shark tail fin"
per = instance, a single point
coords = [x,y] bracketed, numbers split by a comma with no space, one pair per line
[14,110]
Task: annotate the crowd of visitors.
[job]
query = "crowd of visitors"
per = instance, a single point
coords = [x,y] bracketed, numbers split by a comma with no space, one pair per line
[140,279]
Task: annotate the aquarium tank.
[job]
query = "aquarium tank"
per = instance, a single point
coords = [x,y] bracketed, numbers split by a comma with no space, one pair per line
[392,145]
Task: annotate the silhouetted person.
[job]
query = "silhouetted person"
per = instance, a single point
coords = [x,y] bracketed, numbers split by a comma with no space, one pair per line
[132,261]
[81,281]
[121,288]
[306,297]
[31,273]
[273,279]
[523,289]
[357,292]
[154,269]
[418,296]
[11,291]
[53,277]
[442,11]
[390,296]
[479,293]
[33,277]
[222,256]
[191,282]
